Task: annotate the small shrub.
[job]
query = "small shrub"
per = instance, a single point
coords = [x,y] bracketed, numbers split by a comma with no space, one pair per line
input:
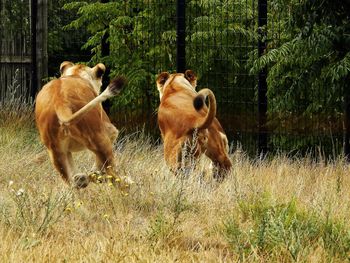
[15,109]
[284,228]
[37,214]
[160,229]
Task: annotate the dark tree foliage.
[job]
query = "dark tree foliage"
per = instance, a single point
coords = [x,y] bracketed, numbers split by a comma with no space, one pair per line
[142,38]
[308,67]
[64,43]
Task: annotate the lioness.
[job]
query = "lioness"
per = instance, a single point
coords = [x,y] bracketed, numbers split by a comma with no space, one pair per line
[70,118]
[183,114]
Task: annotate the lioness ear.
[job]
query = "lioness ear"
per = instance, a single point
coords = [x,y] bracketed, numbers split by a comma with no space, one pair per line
[191,77]
[65,65]
[99,70]
[161,79]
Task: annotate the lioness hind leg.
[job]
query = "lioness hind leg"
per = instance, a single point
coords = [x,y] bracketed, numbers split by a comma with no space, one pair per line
[102,148]
[98,165]
[221,167]
[173,154]
[104,159]
[221,161]
[61,161]
[217,151]
[100,161]
[112,131]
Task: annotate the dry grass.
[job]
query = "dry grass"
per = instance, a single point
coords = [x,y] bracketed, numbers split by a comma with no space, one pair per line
[278,210]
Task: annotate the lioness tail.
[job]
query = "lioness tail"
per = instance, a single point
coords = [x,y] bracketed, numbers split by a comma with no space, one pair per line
[112,90]
[198,104]
[116,85]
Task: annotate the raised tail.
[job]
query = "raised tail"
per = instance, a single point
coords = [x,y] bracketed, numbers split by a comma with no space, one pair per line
[116,86]
[199,102]
[113,89]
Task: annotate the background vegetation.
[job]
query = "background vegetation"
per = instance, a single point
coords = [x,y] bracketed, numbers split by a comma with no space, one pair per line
[307,60]
[308,66]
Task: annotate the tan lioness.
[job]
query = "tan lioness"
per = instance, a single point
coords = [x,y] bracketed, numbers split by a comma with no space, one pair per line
[183,115]
[70,118]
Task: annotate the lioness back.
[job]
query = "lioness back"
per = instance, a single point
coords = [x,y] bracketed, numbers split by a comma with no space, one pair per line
[67,94]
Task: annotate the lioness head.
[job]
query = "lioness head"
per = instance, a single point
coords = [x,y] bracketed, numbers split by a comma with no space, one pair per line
[93,75]
[188,79]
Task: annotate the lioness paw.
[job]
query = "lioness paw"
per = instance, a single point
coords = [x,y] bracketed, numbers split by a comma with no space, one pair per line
[81,180]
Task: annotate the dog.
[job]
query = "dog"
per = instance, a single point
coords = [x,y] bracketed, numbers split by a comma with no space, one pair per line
[188,127]
[70,118]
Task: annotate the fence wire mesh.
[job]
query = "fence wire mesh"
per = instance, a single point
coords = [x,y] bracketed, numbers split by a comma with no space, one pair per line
[138,39]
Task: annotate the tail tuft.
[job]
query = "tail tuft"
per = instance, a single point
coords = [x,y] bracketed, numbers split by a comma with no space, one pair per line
[198,102]
[117,85]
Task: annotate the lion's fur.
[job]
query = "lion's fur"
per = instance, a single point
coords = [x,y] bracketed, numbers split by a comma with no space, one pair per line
[178,119]
[70,117]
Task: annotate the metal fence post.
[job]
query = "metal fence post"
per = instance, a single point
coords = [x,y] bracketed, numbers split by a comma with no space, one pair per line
[105,52]
[39,55]
[262,84]
[180,36]
[347,119]
[34,68]
[41,44]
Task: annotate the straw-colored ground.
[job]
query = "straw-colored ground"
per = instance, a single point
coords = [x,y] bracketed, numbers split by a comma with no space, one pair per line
[278,210]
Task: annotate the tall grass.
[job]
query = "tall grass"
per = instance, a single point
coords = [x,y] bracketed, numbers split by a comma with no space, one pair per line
[275,210]
[15,109]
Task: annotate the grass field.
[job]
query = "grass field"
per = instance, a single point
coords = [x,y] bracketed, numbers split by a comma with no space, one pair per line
[276,210]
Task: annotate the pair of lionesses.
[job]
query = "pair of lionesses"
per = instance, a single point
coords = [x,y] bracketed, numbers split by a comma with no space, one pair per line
[70,118]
